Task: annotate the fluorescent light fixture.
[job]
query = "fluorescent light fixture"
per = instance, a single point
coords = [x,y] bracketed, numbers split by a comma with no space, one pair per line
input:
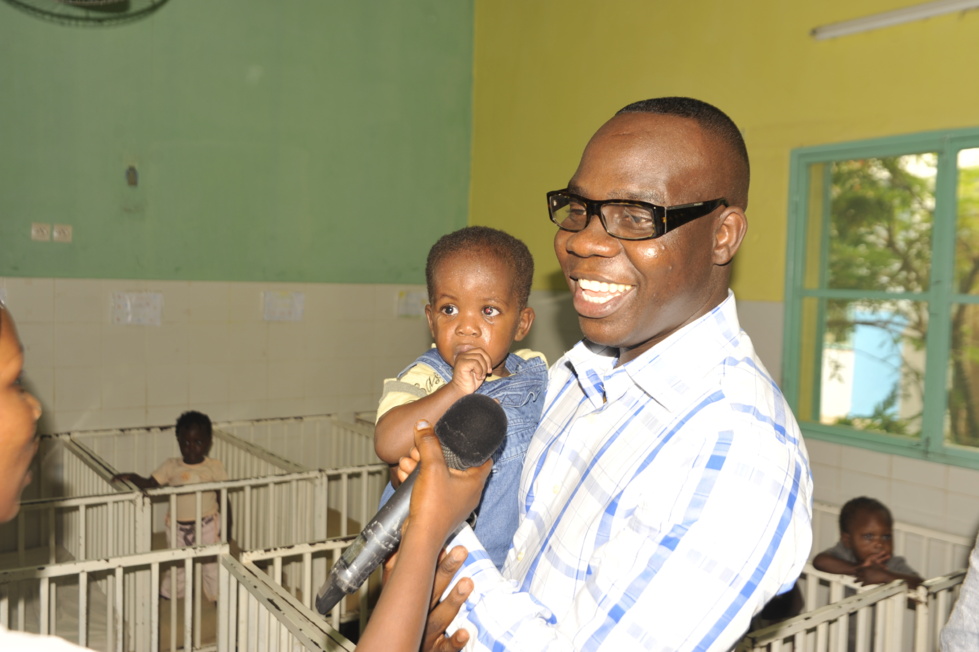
[895,17]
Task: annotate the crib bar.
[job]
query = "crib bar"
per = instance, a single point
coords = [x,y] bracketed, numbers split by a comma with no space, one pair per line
[117,603]
[155,613]
[827,627]
[289,623]
[83,608]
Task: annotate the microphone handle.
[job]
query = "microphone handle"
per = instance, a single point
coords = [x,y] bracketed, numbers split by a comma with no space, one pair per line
[372,546]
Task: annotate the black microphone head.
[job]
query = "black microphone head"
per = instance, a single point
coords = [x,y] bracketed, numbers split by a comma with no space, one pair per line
[471,430]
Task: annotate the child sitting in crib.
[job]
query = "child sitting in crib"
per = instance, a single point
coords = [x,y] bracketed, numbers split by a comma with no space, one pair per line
[194,436]
[478,285]
[865,549]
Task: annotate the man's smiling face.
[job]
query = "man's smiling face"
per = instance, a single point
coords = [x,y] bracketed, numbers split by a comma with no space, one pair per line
[633,294]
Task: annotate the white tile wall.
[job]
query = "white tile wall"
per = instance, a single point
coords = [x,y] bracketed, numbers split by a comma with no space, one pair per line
[213,351]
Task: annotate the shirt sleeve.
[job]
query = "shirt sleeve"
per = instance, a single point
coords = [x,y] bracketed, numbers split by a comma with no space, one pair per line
[419,381]
[961,632]
[688,570]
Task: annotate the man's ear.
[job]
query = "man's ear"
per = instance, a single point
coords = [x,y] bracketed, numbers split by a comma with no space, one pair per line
[523,326]
[728,235]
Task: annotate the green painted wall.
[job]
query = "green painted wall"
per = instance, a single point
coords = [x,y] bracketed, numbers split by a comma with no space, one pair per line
[294,140]
[549,72]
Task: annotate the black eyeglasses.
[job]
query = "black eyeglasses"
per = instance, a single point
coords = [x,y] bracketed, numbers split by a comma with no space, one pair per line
[622,218]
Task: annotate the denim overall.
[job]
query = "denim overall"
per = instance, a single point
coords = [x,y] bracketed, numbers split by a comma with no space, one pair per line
[521,395]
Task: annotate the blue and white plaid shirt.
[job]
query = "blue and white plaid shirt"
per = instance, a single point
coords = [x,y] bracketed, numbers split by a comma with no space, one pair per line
[663,503]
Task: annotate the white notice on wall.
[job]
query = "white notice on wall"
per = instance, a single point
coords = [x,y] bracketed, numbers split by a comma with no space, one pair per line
[137,308]
[283,306]
[411,303]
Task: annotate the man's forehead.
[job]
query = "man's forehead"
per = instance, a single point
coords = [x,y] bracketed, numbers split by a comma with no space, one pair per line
[641,156]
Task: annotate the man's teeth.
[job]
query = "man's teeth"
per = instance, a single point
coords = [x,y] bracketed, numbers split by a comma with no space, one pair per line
[608,290]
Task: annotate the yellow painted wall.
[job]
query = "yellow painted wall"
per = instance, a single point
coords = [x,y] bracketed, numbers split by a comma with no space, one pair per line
[549,72]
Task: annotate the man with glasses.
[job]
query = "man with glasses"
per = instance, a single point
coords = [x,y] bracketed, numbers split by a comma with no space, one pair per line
[666,495]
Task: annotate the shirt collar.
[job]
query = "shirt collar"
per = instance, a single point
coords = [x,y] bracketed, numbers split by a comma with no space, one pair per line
[667,370]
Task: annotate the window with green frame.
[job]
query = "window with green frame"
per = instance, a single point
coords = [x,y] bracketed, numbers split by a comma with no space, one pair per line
[882,294]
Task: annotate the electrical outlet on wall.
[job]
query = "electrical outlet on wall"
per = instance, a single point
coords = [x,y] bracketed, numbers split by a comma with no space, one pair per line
[62,233]
[40,231]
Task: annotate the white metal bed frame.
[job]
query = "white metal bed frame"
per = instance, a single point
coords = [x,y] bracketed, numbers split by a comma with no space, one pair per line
[252,611]
[902,619]
[80,524]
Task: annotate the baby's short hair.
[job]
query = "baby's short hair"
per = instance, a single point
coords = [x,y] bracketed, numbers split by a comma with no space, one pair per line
[474,240]
[194,420]
[857,506]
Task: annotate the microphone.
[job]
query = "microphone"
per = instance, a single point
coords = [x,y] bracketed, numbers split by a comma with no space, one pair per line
[470,431]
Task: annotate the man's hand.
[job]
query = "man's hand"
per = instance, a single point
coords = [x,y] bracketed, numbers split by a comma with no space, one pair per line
[441,613]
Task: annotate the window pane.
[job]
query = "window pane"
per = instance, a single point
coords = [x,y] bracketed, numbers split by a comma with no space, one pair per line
[962,409]
[967,240]
[962,413]
[880,219]
[873,362]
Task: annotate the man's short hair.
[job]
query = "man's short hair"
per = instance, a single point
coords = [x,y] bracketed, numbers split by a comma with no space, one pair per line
[862,505]
[483,240]
[193,420]
[712,120]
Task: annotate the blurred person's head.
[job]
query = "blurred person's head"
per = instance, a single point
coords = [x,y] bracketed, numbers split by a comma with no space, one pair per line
[19,412]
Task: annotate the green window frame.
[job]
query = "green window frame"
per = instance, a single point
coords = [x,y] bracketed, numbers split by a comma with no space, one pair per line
[815,296]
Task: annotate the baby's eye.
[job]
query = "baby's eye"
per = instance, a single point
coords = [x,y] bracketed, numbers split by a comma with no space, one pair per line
[490,311]
[449,310]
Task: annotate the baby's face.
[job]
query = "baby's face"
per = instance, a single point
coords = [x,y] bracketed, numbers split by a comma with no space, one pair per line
[19,412]
[870,534]
[194,445]
[475,306]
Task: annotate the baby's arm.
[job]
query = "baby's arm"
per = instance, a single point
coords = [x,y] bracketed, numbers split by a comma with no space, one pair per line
[875,571]
[393,436]
[138,480]
[830,564]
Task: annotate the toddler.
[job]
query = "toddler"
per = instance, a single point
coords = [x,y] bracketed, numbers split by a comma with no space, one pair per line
[194,436]
[865,549]
[478,285]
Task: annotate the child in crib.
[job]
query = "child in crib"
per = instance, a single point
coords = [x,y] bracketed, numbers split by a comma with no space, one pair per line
[478,285]
[194,436]
[865,549]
